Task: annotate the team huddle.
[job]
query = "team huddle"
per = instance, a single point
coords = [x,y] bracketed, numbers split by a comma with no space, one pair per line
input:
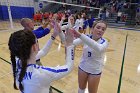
[30,76]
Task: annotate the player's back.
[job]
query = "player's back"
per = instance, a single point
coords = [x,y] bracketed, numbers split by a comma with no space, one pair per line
[35,80]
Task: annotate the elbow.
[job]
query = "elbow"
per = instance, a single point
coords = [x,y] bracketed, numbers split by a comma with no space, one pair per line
[70,66]
[70,69]
[100,50]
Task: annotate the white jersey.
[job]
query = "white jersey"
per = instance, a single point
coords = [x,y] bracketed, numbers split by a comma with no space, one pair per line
[37,78]
[67,26]
[64,27]
[93,54]
[79,22]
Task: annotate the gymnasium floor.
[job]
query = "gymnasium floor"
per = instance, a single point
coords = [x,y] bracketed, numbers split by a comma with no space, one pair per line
[130,82]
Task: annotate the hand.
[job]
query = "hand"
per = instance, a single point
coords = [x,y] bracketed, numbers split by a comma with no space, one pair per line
[76,33]
[46,23]
[55,17]
[63,18]
[69,38]
[57,28]
[50,26]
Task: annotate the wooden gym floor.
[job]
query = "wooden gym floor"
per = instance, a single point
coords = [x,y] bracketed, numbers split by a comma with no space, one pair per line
[130,82]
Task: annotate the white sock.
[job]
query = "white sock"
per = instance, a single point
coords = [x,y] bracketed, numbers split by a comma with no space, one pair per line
[81,91]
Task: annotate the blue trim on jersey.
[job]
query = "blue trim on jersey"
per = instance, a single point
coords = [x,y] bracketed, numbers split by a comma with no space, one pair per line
[54,70]
[18,64]
[90,73]
[40,32]
[49,69]
[102,41]
[30,65]
[90,36]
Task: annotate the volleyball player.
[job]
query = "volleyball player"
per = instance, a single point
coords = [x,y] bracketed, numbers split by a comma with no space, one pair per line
[28,76]
[91,64]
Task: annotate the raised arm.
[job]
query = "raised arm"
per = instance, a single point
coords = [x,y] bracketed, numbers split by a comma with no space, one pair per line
[92,43]
[41,32]
[55,73]
[76,41]
[44,51]
[99,47]
[47,46]
[62,20]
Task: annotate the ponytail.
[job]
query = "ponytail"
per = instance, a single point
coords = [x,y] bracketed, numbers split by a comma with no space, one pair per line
[14,70]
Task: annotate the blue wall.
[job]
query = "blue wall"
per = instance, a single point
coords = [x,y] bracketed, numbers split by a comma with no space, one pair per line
[16,12]
[4,12]
[0,13]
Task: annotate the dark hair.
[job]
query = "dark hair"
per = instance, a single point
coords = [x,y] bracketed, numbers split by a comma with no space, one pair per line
[78,14]
[20,44]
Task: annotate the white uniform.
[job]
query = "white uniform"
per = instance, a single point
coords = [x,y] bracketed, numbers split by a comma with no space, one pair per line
[67,26]
[64,27]
[79,22]
[93,54]
[38,78]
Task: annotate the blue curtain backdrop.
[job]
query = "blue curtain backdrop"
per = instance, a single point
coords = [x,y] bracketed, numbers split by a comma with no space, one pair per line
[17,12]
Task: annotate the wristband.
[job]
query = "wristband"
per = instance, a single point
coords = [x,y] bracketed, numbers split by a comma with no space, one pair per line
[52,37]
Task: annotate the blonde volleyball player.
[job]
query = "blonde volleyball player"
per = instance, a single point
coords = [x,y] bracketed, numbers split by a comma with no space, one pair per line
[90,67]
[28,76]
